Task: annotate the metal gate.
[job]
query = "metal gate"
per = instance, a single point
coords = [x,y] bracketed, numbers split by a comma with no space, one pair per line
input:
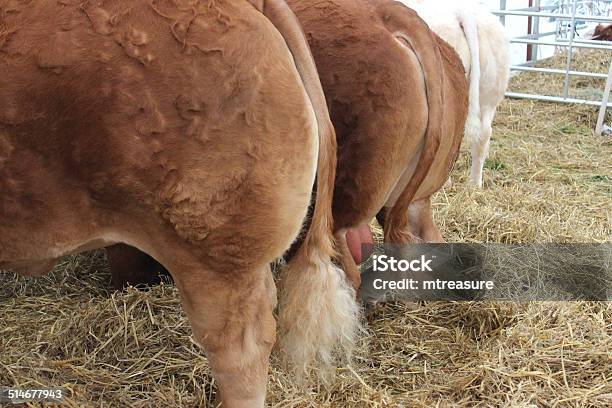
[566,13]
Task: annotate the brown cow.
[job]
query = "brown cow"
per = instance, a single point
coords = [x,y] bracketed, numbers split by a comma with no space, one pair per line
[189,130]
[398,99]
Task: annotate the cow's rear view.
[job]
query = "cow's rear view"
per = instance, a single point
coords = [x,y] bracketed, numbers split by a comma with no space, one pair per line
[192,133]
[398,99]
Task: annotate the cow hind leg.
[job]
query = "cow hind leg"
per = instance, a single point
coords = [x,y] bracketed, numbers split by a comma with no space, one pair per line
[397,229]
[480,151]
[417,226]
[351,269]
[422,223]
[232,320]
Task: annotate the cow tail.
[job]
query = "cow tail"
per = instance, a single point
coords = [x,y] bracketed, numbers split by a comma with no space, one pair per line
[473,125]
[413,34]
[319,317]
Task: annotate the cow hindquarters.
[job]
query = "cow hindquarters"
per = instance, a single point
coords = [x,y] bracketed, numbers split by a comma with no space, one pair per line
[418,41]
[408,218]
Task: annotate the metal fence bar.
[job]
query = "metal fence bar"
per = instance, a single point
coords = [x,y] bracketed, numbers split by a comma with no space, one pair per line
[560,99]
[536,31]
[538,35]
[570,50]
[540,9]
[558,71]
[502,6]
[561,44]
[582,40]
[557,16]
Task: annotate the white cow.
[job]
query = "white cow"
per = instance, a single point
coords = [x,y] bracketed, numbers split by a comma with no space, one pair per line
[481,42]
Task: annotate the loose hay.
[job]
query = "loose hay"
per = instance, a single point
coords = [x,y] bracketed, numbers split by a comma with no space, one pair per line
[549,179]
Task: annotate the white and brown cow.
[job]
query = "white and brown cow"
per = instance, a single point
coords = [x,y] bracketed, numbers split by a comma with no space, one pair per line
[481,42]
[192,131]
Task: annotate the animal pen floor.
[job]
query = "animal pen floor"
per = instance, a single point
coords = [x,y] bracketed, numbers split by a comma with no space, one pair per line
[548,180]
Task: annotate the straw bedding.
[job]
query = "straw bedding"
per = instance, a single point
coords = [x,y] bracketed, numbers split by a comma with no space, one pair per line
[549,179]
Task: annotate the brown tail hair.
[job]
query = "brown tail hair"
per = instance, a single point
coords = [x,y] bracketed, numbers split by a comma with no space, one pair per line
[413,33]
[319,318]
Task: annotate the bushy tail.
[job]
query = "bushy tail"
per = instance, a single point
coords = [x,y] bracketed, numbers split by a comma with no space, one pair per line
[319,317]
[413,33]
[473,124]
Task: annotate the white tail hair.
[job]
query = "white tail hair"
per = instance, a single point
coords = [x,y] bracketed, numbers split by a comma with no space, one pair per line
[319,317]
